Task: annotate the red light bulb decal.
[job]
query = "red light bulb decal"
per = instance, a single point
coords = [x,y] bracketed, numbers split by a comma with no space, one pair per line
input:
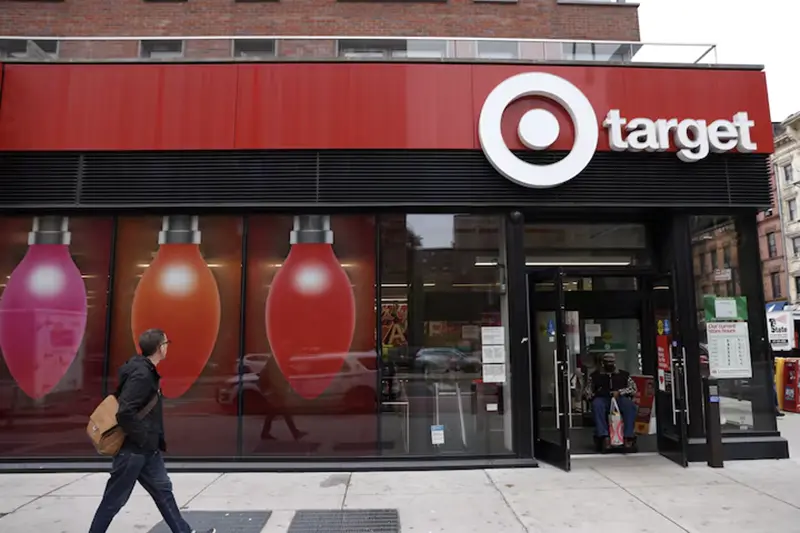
[43,310]
[310,309]
[178,293]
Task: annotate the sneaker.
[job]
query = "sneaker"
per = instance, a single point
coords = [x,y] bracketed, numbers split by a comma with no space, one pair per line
[212,530]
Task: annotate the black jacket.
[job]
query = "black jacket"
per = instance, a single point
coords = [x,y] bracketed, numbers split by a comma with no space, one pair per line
[602,384]
[138,382]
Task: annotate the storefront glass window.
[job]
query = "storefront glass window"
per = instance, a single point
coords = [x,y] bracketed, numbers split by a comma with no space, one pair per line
[53,293]
[589,245]
[311,377]
[444,319]
[182,274]
[721,300]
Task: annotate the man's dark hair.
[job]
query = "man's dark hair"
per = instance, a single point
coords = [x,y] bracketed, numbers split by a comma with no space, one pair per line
[150,341]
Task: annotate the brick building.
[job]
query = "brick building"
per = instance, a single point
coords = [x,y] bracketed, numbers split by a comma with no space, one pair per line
[410,226]
[772,248]
[533,19]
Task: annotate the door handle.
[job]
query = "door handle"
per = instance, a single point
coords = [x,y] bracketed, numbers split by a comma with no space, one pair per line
[555,382]
[524,340]
[672,388]
[685,394]
[569,390]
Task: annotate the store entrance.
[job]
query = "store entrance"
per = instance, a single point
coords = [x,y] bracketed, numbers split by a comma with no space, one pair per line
[578,319]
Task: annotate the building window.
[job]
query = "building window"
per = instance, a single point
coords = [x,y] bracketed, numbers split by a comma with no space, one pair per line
[772,245]
[729,290]
[775,283]
[788,173]
[254,48]
[442,284]
[713,255]
[394,48]
[796,246]
[28,49]
[792,209]
[155,49]
[740,408]
[797,285]
[498,49]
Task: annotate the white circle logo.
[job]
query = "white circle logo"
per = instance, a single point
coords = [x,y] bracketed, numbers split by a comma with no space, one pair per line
[538,129]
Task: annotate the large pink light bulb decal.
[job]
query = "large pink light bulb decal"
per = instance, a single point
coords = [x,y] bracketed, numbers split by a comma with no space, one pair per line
[43,310]
[310,310]
[178,294]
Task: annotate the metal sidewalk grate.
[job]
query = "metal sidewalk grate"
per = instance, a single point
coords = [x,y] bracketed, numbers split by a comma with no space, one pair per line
[346,521]
[224,521]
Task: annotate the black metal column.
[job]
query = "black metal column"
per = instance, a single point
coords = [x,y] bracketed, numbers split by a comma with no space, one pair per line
[519,341]
[112,264]
[242,339]
[379,335]
[686,329]
[751,284]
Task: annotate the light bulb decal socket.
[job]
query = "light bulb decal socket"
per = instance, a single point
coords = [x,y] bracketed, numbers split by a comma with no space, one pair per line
[43,310]
[50,230]
[180,229]
[311,229]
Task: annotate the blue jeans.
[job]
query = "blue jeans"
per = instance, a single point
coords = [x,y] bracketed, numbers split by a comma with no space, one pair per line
[149,470]
[601,408]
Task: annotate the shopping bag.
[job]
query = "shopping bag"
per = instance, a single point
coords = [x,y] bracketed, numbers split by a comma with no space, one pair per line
[615,435]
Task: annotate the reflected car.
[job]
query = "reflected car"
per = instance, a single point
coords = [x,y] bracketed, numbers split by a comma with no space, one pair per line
[253,363]
[352,389]
[437,361]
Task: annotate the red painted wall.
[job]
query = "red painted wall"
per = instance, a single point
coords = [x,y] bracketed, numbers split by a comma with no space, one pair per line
[337,105]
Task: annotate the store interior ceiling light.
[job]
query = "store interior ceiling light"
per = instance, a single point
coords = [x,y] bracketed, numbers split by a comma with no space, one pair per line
[554,262]
[576,263]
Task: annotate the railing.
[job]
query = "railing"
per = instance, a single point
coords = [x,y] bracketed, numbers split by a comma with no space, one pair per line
[294,48]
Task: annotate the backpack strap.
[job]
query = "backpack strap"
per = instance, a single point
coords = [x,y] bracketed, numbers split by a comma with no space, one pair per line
[147,408]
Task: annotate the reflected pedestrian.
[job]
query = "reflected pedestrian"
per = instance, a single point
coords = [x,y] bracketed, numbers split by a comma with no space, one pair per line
[275,388]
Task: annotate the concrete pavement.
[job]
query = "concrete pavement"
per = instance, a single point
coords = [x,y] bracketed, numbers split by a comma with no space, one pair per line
[619,494]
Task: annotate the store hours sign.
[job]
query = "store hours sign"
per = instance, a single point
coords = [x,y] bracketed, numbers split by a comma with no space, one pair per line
[729,350]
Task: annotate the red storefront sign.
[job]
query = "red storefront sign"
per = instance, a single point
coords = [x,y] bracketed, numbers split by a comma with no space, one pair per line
[337,105]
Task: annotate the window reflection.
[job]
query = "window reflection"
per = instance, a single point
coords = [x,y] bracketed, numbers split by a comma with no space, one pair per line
[442,285]
[589,245]
[715,246]
[53,298]
[182,274]
[310,377]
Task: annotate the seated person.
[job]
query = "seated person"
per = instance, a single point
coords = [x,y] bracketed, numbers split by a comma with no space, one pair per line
[606,383]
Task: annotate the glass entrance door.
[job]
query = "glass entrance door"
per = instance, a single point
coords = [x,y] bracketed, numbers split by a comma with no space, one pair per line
[671,406]
[550,356]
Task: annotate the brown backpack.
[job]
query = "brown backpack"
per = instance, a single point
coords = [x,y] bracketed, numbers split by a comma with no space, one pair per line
[103,430]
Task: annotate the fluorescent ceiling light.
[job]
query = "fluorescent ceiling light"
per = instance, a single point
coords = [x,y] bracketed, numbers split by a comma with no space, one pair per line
[531,262]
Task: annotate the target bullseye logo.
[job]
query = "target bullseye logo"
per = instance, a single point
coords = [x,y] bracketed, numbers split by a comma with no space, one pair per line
[538,129]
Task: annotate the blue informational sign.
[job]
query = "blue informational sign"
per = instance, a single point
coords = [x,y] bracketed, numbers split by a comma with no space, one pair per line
[713,399]
[667,327]
[551,328]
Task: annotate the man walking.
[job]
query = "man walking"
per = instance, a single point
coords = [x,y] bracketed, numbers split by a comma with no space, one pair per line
[140,458]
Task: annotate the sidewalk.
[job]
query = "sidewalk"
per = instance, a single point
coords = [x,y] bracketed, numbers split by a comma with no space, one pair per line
[615,494]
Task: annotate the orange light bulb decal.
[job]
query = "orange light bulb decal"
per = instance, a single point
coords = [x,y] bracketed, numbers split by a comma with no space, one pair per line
[178,294]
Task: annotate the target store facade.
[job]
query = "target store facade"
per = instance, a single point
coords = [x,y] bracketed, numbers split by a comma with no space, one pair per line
[382,264]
